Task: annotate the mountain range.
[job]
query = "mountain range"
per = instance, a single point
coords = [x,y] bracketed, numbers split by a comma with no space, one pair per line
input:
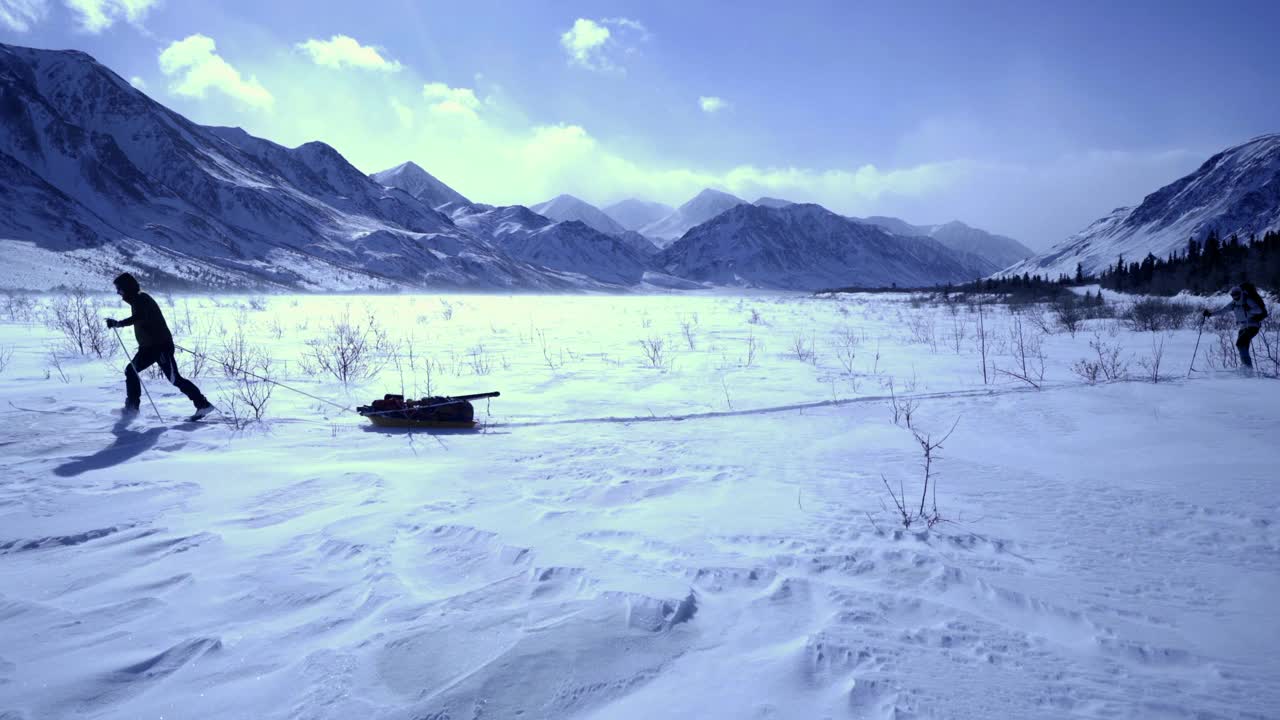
[100,178]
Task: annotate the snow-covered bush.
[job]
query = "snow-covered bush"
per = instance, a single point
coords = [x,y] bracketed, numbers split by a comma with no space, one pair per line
[6,356]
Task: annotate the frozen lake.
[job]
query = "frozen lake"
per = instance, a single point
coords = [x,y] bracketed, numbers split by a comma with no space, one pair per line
[677,509]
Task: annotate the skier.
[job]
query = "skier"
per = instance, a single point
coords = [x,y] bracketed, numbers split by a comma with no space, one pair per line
[155,346]
[1249,312]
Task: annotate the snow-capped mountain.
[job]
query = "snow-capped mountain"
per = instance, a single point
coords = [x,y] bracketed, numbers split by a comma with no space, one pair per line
[420,184]
[704,206]
[807,247]
[99,178]
[999,250]
[567,207]
[633,214]
[1236,191]
[571,246]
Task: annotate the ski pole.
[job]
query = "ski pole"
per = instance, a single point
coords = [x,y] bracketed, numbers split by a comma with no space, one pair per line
[137,375]
[1197,350]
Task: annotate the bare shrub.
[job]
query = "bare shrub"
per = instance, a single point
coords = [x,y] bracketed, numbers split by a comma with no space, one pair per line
[1266,353]
[55,363]
[76,317]
[845,347]
[6,356]
[19,307]
[1222,353]
[655,353]
[1068,312]
[1110,364]
[553,360]
[257,303]
[479,360]
[924,330]
[982,341]
[247,399]
[686,329]
[929,488]
[1151,363]
[802,349]
[1088,370]
[903,407]
[349,351]
[235,355]
[755,318]
[1156,314]
[754,348]
[1027,348]
[959,330]
[199,358]
[446,310]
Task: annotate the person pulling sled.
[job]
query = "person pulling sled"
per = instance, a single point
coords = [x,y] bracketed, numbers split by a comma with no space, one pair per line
[1249,309]
[155,347]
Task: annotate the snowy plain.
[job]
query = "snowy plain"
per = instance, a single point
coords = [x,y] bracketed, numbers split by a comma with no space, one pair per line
[708,538]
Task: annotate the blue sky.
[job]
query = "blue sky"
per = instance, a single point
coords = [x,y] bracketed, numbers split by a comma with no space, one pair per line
[1026,118]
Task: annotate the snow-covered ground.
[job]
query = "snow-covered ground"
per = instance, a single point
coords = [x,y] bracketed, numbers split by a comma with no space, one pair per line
[704,539]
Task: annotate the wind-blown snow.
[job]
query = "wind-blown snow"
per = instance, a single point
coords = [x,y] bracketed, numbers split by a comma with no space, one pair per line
[704,540]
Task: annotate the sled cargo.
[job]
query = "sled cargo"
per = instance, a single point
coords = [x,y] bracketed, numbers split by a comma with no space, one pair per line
[442,413]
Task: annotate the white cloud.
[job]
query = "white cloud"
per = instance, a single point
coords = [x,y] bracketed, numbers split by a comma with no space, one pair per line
[342,50]
[592,45]
[711,103]
[20,15]
[98,15]
[138,82]
[197,68]
[450,100]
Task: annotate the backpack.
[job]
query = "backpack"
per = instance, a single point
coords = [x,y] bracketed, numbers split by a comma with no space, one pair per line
[1251,291]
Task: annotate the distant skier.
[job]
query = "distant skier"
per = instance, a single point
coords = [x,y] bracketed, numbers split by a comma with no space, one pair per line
[1250,311]
[155,346]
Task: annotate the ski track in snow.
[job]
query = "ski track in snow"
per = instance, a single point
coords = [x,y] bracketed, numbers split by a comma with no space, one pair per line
[1113,553]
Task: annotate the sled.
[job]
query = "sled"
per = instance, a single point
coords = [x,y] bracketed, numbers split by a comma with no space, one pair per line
[439,413]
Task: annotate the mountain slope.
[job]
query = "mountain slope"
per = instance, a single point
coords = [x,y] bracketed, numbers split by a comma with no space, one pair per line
[571,246]
[1236,191]
[92,164]
[807,247]
[704,206]
[420,184]
[567,207]
[633,214]
[998,250]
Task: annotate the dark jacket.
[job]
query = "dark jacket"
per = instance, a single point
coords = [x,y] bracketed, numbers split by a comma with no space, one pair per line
[148,323]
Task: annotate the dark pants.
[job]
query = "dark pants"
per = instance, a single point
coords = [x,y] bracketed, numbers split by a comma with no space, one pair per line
[1242,344]
[162,356]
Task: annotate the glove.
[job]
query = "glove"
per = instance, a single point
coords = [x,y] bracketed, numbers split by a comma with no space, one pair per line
[112,323]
